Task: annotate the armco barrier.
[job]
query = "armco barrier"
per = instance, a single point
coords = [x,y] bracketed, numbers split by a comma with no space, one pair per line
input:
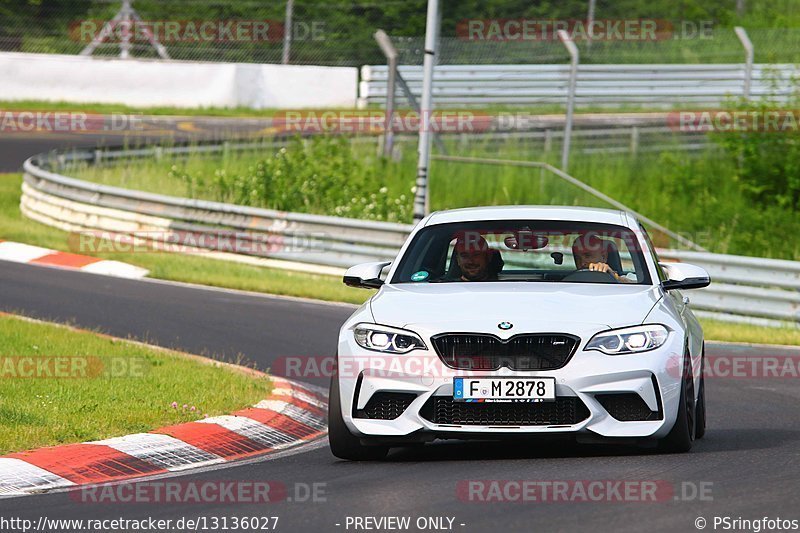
[743,289]
[666,84]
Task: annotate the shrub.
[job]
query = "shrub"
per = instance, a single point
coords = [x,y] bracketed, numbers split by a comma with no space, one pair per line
[315,175]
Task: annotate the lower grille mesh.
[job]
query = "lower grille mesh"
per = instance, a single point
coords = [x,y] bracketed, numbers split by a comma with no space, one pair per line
[566,410]
[386,405]
[627,407]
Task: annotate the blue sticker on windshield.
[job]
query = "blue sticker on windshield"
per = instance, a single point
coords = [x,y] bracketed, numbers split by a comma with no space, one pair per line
[419,276]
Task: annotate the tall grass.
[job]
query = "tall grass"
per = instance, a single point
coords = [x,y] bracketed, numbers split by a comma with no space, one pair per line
[695,193]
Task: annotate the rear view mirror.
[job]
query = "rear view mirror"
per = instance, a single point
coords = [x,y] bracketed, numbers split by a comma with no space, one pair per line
[526,240]
[366,275]
[684,276]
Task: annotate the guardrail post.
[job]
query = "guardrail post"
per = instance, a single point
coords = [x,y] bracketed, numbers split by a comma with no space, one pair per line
[548,142]
[741,33]
[548,146]
[390,52]
[573,78]
[634,140]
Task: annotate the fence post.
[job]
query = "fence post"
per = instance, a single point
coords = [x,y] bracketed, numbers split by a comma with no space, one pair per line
[590,24]
[421,196]
[127,28]
[548,142]
[390,52]
[573,78]
[748,68]
[287,32]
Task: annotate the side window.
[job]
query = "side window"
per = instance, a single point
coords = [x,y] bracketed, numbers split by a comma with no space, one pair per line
[661,276]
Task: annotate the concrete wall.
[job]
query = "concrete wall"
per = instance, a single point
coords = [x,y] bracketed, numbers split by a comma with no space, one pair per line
[144,83]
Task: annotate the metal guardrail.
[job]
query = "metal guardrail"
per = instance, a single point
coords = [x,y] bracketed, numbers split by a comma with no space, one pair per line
[744,288]
[666,84]
[622,139]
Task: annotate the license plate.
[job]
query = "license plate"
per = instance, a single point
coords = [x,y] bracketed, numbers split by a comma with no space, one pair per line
[504,389]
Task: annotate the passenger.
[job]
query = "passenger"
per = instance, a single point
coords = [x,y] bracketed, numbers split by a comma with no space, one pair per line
[590,252]
[476,261]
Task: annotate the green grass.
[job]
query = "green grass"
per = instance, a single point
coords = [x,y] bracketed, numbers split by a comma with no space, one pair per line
[697,194]
[43,411]
[247,112]
[191,269]
[41,105]
[716,330]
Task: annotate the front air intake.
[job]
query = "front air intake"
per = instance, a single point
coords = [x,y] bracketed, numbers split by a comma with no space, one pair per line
[530,351]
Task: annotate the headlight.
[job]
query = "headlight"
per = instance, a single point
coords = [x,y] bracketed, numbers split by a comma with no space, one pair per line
[629,340]
[386,339]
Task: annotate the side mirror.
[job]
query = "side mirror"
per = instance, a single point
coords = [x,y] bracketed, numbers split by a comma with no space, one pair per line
[684,276]
[366,275]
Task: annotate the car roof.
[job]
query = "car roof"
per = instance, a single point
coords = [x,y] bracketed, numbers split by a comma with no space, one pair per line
[531,212]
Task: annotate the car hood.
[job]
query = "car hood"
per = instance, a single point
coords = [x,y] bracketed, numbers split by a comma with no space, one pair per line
[528,306]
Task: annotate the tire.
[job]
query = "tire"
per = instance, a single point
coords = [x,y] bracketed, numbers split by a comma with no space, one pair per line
[344,444]
[700,410]
[682,434]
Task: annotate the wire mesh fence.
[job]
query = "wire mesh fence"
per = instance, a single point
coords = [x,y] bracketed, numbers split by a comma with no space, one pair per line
[716,45]
[340,32]
[250,31]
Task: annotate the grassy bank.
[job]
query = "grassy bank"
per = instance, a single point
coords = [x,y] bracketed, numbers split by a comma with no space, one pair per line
[716,330]
[191,269]
[105,387]
[248,112]
[699,193]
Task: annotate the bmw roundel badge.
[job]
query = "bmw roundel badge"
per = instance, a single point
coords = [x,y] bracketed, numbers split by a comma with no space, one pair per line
[505,325]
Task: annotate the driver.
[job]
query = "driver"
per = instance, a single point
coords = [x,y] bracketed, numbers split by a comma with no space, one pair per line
[474,258]
[590,253]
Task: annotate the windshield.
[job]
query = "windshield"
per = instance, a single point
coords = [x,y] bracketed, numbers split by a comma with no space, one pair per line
[523,250]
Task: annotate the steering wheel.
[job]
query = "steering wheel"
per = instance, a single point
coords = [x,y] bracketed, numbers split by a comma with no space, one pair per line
[591,276]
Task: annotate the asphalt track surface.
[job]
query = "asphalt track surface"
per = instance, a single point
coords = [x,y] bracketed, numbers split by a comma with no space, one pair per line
[749,461]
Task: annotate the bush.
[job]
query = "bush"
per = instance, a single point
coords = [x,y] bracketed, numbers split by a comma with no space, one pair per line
[767,159]
[319,175]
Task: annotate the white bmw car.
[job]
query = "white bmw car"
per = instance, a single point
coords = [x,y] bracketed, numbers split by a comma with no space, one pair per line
[499,322]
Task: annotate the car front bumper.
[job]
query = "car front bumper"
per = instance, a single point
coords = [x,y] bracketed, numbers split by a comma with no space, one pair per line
[652,375]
